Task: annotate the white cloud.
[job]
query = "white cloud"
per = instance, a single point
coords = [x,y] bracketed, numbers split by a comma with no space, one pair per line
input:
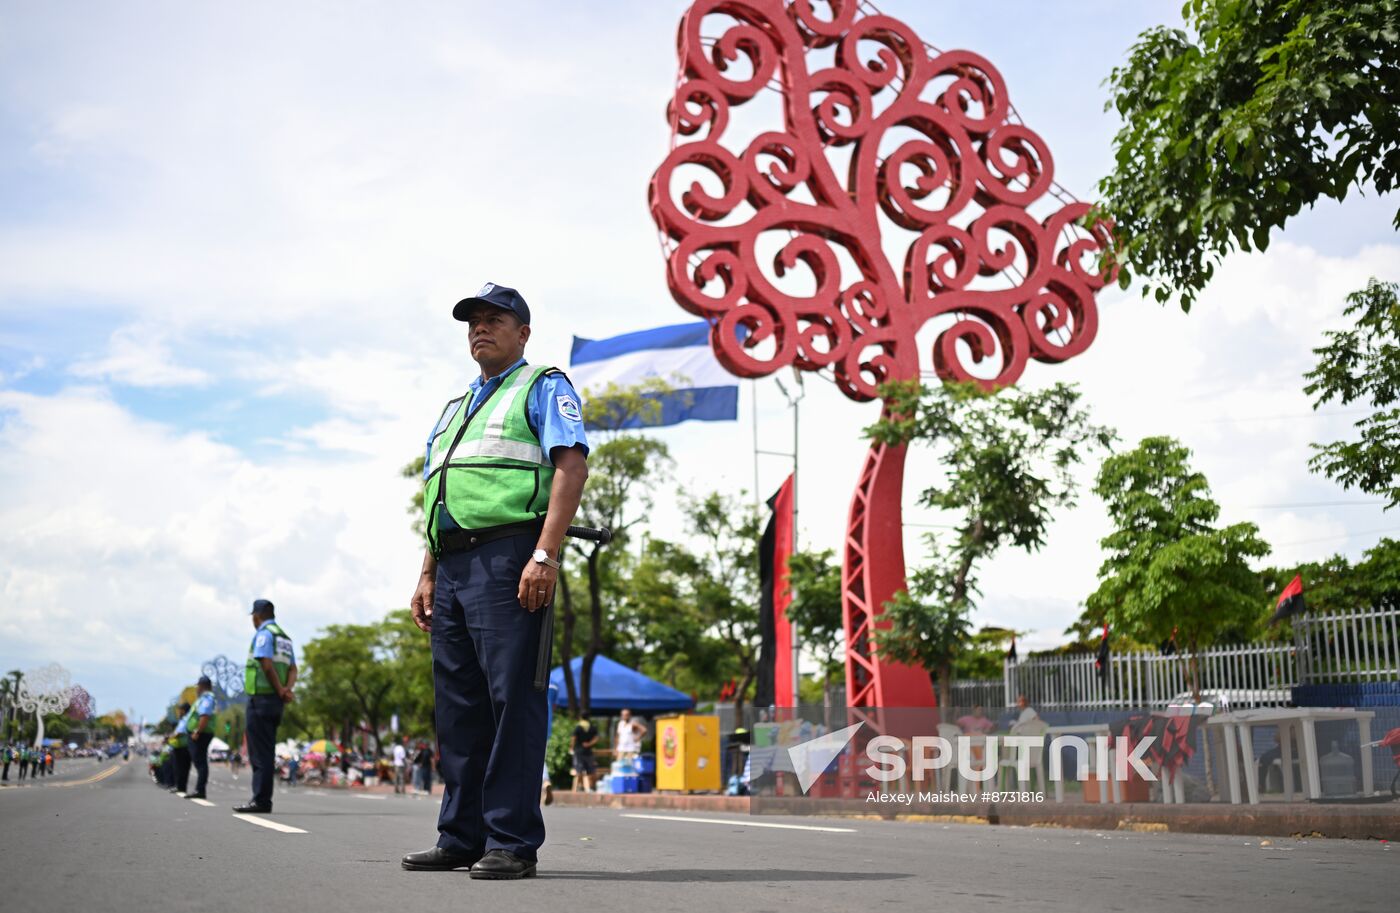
[139,356]
[127,542]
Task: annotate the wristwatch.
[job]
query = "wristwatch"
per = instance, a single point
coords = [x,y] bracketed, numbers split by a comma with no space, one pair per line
[542,557]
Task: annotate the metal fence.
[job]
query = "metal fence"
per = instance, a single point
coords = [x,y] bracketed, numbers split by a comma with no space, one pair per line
[1245,676]
[1340,647]
[1344,647]
[986,692]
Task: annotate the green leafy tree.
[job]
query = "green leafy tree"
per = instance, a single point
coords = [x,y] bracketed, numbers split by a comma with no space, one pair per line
[692,607]
[625,467]
[1010,461]
[723,579]
[985,655]
[1169,565]
[1363,365]
[1334,584]
[671,637]
[816,610]
[410,659]
[1229,129]
[350,675]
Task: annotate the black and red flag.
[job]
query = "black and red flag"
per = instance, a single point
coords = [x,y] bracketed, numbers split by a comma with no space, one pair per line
[1101,658]
[775,673]
[1290,601]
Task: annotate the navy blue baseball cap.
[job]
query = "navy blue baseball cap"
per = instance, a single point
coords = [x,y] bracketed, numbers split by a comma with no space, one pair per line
[204,682]
[262,607]
[498,296]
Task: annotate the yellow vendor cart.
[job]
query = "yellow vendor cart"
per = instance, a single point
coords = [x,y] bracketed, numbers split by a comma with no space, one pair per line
[687,753]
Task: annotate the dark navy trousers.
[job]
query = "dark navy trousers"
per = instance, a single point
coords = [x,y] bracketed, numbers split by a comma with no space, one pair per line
[264,716]
[490,719]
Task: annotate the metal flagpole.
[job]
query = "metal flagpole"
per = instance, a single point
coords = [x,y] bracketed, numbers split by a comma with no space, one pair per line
[753,386]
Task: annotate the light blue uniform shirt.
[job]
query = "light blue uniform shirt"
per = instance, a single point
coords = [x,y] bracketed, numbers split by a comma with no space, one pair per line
[180,727]
[263,646]
[204,706]
[554,410]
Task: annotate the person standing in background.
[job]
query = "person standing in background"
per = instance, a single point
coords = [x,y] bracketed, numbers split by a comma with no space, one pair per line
[400,762]
[628,743]
[268,678]
[201,734]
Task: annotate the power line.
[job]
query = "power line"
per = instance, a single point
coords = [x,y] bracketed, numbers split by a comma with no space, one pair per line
[1364,532]
[1303,505]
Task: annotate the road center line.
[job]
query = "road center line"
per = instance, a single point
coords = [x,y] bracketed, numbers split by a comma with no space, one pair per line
[270,825]
[377,798]
[102,775]
[742,823]
[204,802]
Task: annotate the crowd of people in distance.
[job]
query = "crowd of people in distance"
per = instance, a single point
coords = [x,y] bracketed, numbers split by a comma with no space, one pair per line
[20,762]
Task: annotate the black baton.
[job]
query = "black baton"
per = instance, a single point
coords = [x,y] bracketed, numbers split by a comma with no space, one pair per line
[546,653]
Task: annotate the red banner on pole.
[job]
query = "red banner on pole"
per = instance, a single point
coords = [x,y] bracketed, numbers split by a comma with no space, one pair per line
[783,673]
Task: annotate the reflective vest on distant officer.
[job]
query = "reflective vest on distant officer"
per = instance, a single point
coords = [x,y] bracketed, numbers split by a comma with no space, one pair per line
[203,706]
[486,468]
[254,678]
[191,722]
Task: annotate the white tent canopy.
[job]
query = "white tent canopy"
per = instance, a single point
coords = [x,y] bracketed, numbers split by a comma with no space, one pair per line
[218,744]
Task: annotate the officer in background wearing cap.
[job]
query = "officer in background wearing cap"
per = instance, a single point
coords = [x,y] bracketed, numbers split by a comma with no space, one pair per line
[268,678]
[201,728]
[503,475]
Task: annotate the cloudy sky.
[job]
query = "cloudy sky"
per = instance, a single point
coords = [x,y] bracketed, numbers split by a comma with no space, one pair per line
[232,235]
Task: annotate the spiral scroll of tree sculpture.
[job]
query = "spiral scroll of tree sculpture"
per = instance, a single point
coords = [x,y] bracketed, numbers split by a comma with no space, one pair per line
[44,692]
[839,194]
[227,679]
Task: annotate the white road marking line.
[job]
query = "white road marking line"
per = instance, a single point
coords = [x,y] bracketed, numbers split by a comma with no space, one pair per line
[270,825]
[742,823]
[204,802]
[377,798]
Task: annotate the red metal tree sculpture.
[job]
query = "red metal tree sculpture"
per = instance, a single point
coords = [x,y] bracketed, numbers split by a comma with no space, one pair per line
[881,190]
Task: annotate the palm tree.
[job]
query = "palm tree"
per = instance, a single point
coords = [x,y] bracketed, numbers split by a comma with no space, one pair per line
[11,701]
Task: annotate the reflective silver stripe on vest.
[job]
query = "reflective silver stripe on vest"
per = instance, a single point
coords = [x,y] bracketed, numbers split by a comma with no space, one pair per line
[496,425]
[511,450]
[441,443]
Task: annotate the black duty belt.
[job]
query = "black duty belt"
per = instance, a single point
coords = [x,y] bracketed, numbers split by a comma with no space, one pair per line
[462,540]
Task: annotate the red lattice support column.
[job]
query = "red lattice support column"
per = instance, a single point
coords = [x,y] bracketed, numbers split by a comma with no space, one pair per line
[873,573]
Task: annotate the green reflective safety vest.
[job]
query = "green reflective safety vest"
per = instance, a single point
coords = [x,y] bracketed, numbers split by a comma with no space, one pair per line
[488,470]
[254,678]
[191,723]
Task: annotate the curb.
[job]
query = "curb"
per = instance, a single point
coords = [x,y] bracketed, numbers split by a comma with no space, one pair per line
[1293,820]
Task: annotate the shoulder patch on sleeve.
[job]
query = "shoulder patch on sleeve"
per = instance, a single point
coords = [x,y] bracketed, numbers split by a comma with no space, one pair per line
[569,408]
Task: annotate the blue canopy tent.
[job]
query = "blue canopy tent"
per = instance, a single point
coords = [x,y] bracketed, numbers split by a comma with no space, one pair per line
[615,686]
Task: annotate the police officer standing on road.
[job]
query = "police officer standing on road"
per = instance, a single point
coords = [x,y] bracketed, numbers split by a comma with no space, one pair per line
[180,742]
[267,679]
[503,476]
[200,724]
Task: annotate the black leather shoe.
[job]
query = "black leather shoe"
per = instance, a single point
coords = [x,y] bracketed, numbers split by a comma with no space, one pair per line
[196,796]
[253,808]
[438,859]
[503,865]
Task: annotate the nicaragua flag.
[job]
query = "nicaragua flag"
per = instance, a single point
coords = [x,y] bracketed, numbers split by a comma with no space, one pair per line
[677,355]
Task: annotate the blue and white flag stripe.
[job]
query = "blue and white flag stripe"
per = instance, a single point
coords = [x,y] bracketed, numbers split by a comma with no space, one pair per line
[679,355]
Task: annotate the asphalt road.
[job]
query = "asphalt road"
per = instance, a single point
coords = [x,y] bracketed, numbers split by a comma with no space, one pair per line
[102,836]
